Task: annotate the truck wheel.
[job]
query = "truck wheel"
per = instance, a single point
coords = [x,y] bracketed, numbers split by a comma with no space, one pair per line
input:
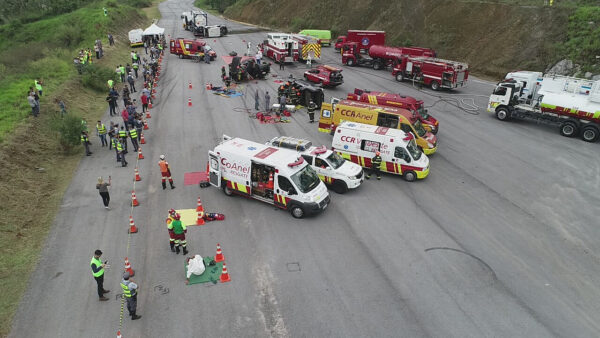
[435,85]
[227,190]
[223,31]
[340,187]
[399,77]
[377,65]
[409,176]
[350,63]
[502,114]
[297,211]
[590,134]
[568,129]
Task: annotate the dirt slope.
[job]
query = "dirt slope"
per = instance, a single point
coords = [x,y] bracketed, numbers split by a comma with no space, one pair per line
[493,38]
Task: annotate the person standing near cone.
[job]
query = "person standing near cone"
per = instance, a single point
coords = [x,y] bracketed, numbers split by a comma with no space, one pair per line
[165,171]
[169,220]
[179,230]
[98,273]
[130,294]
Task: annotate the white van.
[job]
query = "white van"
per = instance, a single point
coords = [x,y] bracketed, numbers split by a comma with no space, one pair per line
[332,169]
[400,155]
[135,37]
[272,175]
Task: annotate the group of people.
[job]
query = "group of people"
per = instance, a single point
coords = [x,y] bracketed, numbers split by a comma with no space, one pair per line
[33,97]
[86,56]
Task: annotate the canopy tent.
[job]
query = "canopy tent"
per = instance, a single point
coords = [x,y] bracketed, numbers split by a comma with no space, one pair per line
[154,30]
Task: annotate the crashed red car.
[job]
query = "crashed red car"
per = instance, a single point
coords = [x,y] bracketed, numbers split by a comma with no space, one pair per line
[327,76]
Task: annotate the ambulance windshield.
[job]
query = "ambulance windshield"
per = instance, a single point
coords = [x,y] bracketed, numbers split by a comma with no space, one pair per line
[419,128]
[413,150]
[306,179]
[335,160]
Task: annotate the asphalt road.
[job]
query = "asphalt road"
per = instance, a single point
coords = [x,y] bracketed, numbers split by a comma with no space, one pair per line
[499,241]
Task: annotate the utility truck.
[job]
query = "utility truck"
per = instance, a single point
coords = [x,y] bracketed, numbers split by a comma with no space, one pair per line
[572,104]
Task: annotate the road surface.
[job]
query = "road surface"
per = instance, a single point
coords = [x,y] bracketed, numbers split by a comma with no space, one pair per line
[499,241]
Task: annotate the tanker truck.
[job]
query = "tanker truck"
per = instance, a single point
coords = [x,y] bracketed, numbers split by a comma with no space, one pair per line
[380,56]
[572,104]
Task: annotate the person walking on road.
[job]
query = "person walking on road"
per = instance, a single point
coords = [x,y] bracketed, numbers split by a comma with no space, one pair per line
[256,100]
[86,143]
[101,132]
[179,230]
[281,64]
[98,273]
[267,102]
[103,190]
[130,293]
[131,82]
[375,166]
[169,220]
[165,172]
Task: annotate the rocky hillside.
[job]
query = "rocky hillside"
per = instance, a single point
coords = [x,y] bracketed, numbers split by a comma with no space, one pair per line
[493,37]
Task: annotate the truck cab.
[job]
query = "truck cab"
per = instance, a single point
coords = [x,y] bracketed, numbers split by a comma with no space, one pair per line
[333,170]
[327,76]
[351,56]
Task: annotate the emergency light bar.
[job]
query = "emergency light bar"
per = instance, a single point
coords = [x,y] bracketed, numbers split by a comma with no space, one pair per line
[298,162]
[320,150]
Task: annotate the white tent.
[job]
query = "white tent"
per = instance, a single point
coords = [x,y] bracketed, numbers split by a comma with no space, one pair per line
[154,30]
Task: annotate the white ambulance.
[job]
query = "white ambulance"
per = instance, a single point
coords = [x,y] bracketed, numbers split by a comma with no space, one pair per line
[332,169]
[400,155]
[272,175]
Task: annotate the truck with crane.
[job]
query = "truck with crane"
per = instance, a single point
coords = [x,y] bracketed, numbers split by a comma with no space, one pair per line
[433,72]
[572,104]
[379,56]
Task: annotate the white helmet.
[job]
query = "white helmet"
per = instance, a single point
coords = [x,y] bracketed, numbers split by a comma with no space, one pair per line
[162,157]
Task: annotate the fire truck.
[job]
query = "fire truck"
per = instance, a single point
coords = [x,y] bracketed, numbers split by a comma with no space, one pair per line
[281,46]
[326,76]
[187,48]
[572,104]
[365,39]
[307,45]
[332,114]
[379,56]
[400,101]
[434,72]
[197,23]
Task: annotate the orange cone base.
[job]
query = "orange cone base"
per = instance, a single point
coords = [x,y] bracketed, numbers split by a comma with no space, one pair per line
[225,278]
[133,229]
[135,203]
[219,258]
[148,115]
[200,221]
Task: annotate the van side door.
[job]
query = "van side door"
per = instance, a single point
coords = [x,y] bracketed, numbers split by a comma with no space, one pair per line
[284,190]
[214,168]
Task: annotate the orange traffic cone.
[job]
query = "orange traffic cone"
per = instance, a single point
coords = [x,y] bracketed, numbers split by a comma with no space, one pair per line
[225,275]
[128,268]
[200,219]
[153,90]
[150,105]
[134,200]
[199,206]
[190,85]
[137,175]
[119,334]
[146,125]
[219,256]
[189,101]
[140,155]
[132,228]
[148,116]
[208,86]
[142,139]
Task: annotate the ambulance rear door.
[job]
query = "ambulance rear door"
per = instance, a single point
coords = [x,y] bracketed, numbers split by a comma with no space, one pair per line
[214,169]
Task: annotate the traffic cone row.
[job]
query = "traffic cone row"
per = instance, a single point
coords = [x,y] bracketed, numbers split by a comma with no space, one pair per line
[134,200]
[189,101]
[140,155]
[190,85]
[137,175]
[128,268]
[225,275]
[132,228]
[148,116]
[146,125]
[142,139]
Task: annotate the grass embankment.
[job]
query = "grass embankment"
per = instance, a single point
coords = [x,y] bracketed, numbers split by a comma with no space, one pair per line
[35,169]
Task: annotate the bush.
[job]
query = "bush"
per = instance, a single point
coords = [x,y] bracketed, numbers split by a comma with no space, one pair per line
[95,77]
[68,128]
[69,35]
[139,3]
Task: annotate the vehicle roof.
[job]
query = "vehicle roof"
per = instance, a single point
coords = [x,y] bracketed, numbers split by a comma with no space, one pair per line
[391,96]
[329,68]
[360,30]
[397,135]
[385,109]
[261,153]
[440,62]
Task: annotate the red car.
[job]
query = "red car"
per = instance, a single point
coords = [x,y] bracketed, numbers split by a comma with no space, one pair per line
[326,76]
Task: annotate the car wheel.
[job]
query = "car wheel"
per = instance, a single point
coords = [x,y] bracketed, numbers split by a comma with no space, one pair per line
[568,129]
[227,190]
[223,31]
[410,176]
[297,211]
[435,85]
[502,114]
[399,77]
[340,187]
[590,133]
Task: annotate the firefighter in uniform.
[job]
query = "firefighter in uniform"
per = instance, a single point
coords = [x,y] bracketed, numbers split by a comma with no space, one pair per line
[165,171]
[179,229]
[375,166]
[130,293]
[170,219]
[311,111]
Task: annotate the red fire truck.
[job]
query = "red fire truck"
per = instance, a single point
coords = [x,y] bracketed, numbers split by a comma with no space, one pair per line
[307,45]
[190,48]
[399,101]
[365,39]
[380,56]
[281,46]
[437,73]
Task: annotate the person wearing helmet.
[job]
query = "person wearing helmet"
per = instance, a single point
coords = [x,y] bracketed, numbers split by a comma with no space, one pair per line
[179,229]
[375,166]
[165,171]
[170,219]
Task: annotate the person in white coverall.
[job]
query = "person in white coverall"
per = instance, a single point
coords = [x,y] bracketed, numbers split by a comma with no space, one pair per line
[195,266]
